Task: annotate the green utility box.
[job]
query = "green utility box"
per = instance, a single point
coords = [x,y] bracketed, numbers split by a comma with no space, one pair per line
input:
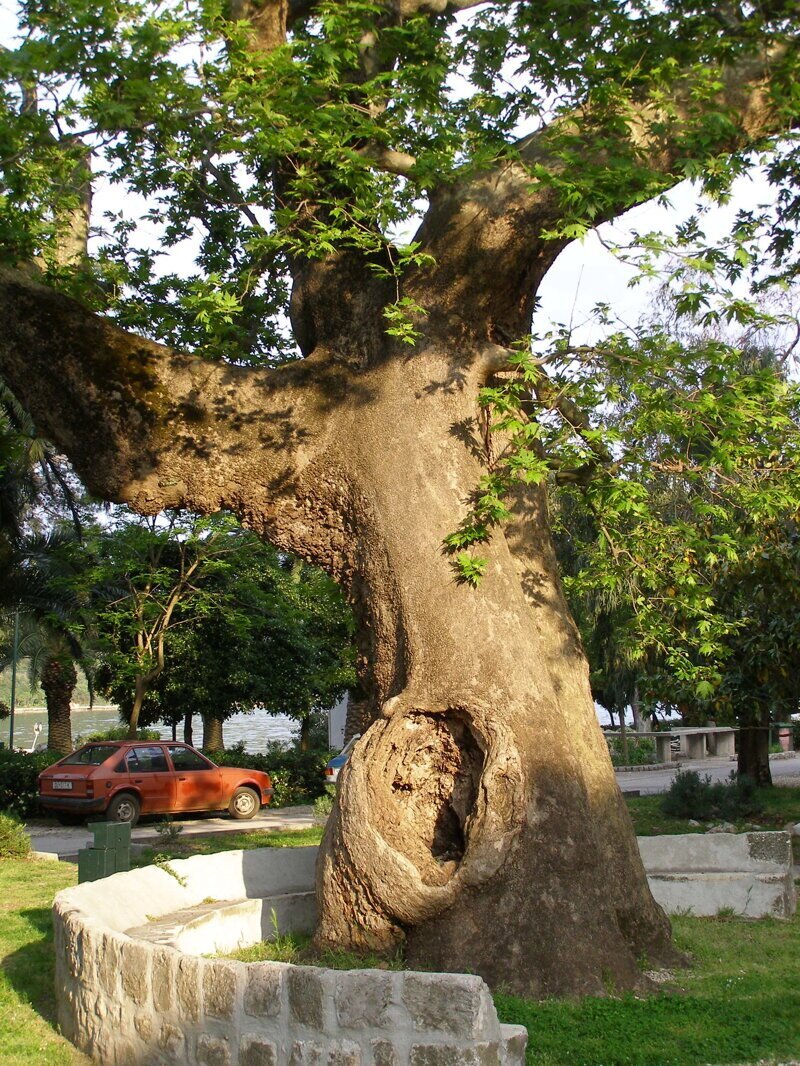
[111,834]
[110,853]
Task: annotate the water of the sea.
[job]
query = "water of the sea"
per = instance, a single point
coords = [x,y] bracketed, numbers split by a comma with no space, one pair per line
[255,728]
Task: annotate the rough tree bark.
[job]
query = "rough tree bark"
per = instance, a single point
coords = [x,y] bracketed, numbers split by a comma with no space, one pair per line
[753,756]
[212,734]
[478,822]
[59,678]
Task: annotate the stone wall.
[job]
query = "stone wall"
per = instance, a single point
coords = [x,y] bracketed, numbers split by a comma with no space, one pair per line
[129,991]
[703,873]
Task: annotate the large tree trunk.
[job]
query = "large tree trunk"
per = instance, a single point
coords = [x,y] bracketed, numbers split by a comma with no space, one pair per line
[59,678]
[479,823]
[754,722]
[212,734]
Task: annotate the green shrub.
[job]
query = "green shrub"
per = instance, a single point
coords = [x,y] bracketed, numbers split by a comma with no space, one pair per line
[297,776]
[19,785]
[641,751]
[690,796]
[119,732]
[796,736]
[323,805]
[14,841]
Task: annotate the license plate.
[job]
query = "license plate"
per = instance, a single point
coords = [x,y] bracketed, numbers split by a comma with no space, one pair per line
[62,784]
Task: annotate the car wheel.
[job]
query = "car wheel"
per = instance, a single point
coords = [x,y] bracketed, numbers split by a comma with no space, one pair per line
[123,808]
[244,804]
[69,819]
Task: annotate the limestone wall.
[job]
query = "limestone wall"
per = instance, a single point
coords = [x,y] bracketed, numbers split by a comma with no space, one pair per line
[129,991]
[703,873]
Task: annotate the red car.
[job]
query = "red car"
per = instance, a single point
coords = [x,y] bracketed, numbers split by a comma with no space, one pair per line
[121,780]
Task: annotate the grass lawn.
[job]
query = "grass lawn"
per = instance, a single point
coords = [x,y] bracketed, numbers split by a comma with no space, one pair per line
[739,1002]
[27,1005]
[781,805]
[184,847]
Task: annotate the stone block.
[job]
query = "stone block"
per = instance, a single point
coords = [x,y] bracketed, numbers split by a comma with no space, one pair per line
[448,1055]
[384,1053]
[307,996]
[136,971]
[187,987]
[143,1023]
[163,979]
[219,988]
[513,1042]
[306,1053]
[253,1051]
[172,1041]
[362,999]
[213,1051]
[456,1004]
[262,994]
[109,964]
[344,1053]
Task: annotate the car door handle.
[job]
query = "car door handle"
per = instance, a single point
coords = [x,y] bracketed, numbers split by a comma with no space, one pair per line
[181,778]
[137,780]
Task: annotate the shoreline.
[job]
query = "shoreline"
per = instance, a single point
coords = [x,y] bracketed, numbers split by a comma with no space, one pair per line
[73,707]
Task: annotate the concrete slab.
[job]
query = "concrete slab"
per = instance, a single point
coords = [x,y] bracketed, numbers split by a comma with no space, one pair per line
[703,873]
[60,841]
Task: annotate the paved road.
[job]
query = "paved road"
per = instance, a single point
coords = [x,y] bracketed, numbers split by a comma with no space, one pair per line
[649,782]
[49,838]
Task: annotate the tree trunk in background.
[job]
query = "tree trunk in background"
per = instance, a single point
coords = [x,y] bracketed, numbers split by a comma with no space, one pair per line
[305,733]
[754,723]
[358,718]
[639,725]
[187,729]
[59,678]
[212,734]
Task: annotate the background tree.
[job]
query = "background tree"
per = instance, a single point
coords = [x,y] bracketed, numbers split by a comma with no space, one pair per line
[673,558]
[294,141]
[147,578]
[275,634]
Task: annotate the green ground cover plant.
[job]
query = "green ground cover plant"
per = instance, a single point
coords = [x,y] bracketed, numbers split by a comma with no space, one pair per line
[641,751]
[779,807]
[14,841]
[739,1001]
[693,796]
[27,1005]
[185,847]
[19,787]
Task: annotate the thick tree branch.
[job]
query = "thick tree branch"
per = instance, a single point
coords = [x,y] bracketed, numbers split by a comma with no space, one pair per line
[487,231]
[152,427]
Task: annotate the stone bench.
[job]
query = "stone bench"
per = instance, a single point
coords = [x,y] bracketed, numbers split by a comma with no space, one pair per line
[704,873]
[219,927]
[132,986]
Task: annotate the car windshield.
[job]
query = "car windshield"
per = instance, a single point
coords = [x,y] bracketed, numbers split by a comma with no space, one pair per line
[91,755]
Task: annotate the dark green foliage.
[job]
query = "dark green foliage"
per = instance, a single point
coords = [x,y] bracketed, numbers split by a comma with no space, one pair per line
[14,841]
[119,732]
[19,788]
[297,776]
[691,796]
[641,751]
